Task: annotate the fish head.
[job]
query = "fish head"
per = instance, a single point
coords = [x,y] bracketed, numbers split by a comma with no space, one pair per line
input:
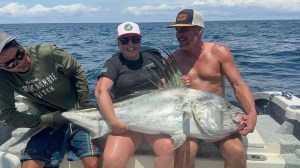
[216,116]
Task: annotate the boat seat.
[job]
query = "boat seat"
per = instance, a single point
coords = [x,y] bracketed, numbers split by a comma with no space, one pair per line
[8,160]
[288,103]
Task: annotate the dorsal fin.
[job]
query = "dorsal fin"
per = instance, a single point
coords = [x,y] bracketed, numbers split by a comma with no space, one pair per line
[170,69]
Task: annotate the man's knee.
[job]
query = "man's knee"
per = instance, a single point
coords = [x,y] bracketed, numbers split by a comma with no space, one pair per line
[91,161]
[236,152]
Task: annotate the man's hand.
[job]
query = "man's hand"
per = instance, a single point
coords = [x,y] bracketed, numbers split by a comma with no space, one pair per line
[53,120]
[119,127]
[250,122]
[185,80]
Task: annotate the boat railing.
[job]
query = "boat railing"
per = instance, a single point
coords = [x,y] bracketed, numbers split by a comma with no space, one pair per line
[287,101]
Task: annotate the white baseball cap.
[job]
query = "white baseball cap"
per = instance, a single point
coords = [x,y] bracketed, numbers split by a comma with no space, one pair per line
[4,39]
[127,28]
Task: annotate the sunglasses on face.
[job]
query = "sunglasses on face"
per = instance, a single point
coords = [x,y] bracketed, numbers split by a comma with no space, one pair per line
[134,40]
[14,61]
[183,29]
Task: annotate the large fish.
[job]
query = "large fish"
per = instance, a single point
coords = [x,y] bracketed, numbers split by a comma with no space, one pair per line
[178,112]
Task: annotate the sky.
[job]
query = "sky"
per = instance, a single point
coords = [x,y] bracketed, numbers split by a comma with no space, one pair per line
[116,11]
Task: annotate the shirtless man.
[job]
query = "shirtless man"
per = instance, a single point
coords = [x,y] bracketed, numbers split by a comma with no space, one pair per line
[205,65]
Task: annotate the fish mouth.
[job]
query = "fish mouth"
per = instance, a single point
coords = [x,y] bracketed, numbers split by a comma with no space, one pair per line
[239,119]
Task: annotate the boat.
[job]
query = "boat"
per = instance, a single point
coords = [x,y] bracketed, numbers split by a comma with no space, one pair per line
[275,142]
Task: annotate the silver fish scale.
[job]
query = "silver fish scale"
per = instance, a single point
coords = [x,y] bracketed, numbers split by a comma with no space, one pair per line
[166,108]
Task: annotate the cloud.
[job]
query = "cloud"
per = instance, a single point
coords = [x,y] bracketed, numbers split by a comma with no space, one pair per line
[275,5]
[146,10]
[289,5]
[16,10]
[142,10]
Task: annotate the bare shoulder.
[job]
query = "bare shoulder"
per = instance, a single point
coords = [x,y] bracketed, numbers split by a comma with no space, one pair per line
[215,47]
[217,50]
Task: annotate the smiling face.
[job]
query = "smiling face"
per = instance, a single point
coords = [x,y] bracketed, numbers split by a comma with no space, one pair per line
[14,59]
[130,46]
[188,36]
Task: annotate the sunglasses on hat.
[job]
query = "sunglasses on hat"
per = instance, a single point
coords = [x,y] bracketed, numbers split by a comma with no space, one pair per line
[14,61]
[134,40]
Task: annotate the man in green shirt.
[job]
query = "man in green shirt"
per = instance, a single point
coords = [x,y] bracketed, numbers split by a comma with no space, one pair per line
[51,77]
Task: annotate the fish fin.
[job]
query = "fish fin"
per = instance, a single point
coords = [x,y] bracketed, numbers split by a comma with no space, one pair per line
[187,115]
[178,139]
[91,121]
[187,111]
[102,130]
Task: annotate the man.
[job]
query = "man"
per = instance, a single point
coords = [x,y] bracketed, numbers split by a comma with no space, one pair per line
[205,65]
[51,77]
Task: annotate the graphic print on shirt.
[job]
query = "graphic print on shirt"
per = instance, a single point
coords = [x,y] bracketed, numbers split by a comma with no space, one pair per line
[40,87]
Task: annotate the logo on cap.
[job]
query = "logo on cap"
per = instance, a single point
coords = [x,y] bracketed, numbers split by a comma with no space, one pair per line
[128,27]
[181,17]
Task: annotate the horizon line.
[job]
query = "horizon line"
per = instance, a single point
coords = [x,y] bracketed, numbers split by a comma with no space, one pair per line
[148,22]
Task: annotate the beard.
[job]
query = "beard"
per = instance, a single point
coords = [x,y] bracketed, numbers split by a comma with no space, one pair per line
[188,43]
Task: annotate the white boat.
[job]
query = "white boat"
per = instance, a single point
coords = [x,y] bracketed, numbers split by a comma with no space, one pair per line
[275,143]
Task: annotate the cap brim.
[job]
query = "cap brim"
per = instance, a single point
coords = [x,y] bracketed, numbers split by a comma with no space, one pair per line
[180,25]
[7,40]
[129,34]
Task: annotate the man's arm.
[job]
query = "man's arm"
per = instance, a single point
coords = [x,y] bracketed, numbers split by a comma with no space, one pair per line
[71,68]
[9,114]
[241,90]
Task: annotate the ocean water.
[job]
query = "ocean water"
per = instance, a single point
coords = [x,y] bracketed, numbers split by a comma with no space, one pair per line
[266,52]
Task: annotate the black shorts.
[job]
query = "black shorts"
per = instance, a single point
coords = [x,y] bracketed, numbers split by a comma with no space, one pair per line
[232,136]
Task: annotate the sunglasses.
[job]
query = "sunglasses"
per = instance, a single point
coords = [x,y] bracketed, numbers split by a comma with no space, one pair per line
[134,40]
[14,61]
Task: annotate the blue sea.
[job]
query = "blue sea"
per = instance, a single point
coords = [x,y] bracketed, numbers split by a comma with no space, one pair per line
[266,52]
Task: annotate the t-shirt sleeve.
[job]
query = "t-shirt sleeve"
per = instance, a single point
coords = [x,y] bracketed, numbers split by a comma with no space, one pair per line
[110,69]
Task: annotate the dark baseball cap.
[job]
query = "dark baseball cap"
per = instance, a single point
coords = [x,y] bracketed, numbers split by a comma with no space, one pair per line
[187,18]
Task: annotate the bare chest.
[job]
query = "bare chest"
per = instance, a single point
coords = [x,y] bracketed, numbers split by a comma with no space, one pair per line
[201,69]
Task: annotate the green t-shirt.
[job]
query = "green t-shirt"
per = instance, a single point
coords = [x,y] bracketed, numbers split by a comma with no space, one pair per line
[55,79]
